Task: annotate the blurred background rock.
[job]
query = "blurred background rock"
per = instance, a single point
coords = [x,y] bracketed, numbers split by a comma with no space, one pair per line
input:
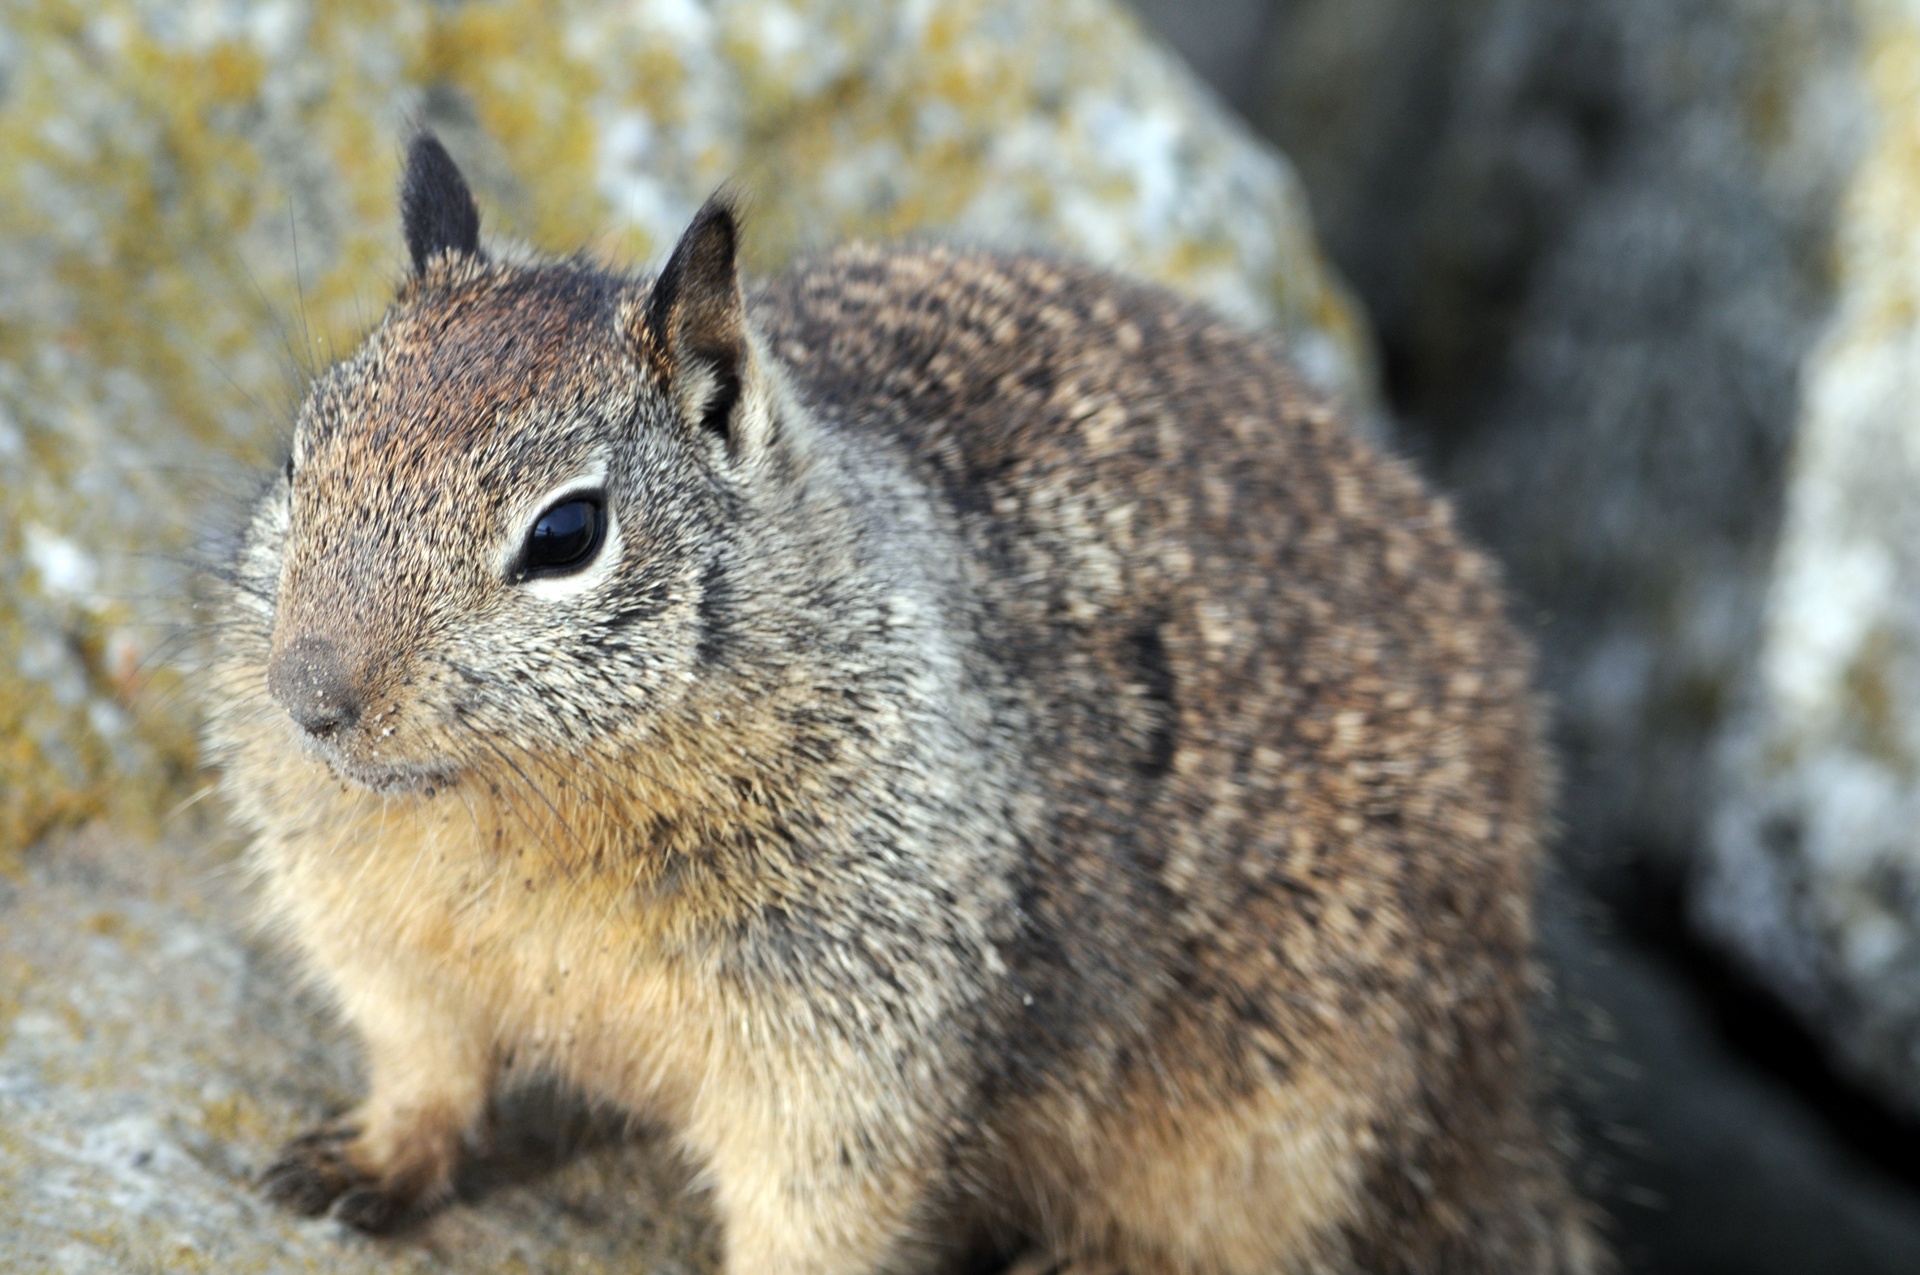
[1638,282]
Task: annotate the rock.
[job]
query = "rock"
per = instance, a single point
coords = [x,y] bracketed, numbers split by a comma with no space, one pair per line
[197,207]
[152,1057]
[1813,875]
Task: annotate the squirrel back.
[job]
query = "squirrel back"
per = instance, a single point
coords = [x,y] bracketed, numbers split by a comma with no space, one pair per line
[1284,730]
[969,741]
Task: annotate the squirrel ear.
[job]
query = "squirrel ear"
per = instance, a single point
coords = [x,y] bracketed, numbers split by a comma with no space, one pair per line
[437,211]
[697,319]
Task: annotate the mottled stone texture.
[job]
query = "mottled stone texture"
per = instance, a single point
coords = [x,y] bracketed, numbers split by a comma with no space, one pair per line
[152,1058]
[1814,871]
[196,206]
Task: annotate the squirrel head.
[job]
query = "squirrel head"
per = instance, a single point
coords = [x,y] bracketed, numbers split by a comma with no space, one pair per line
[510,517]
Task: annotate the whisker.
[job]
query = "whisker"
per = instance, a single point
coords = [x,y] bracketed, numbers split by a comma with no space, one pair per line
[303,373]
[205,792]
[537,791]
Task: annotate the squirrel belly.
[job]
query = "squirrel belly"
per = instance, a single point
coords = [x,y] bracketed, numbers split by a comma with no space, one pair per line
[968,742]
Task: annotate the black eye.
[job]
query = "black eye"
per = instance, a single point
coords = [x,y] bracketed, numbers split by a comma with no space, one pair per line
[565,538]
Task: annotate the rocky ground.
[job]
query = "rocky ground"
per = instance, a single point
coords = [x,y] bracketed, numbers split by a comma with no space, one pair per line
[1643,273]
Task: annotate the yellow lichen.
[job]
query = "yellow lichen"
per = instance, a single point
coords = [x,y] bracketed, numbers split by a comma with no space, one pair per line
[1873,709]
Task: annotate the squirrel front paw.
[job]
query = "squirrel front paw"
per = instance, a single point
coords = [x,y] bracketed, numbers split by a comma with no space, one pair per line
[369,1182]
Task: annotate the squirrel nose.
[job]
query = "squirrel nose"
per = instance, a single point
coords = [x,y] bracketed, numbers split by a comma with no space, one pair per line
[310,678]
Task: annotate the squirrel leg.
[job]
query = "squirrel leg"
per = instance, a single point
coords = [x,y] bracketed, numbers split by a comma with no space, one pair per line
[805,1207]
[397,1151]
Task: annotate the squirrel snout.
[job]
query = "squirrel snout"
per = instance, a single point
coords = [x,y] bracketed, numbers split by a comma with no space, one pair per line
[311,678]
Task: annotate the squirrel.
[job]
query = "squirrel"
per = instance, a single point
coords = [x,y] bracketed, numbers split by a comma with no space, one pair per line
[971,744]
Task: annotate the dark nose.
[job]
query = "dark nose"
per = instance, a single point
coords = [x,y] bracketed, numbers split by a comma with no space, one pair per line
[311,680]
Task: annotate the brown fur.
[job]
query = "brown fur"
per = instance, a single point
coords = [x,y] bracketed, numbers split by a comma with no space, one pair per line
[1025,773]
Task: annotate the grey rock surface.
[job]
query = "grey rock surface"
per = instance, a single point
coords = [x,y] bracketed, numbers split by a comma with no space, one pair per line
[1813,875]
[153,1055]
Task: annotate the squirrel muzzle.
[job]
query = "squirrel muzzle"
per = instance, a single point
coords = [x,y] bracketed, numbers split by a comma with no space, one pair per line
[313,680]
[346,694]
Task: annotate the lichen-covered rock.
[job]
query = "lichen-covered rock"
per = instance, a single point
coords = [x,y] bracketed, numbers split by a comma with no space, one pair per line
[151,1059]
[196,206]
[1814,871]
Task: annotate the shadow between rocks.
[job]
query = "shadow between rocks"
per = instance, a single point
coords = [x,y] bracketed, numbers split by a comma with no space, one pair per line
[1709,1160]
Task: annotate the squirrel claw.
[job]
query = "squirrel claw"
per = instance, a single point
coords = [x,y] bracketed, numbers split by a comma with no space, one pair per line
[309,1174]
[325,1135]
[320,1172]
[367,1208]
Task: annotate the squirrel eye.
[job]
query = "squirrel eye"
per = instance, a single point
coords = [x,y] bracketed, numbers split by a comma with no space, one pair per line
[564,538]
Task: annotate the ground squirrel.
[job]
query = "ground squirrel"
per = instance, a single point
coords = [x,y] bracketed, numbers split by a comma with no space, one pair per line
[966,741]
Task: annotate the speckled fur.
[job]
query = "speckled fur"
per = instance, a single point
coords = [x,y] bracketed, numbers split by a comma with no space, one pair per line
[1033,779]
